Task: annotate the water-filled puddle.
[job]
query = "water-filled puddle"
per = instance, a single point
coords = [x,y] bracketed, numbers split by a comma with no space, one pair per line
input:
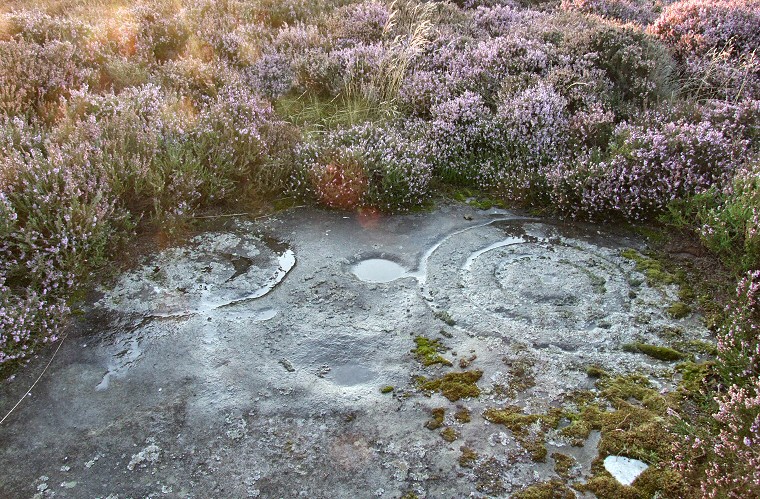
[351,374]
[378,270]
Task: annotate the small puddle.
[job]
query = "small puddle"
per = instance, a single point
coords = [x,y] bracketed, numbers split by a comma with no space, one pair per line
[378,270]
[351,374]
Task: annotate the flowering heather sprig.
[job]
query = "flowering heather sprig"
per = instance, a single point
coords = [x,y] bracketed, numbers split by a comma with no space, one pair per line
[638,11]
[39,27]
[698,26]
[462,134]
[272,75]
[35,76]
[381,167]
[364,22]
[162,31]
[505,19]
[650,167]
[730,454]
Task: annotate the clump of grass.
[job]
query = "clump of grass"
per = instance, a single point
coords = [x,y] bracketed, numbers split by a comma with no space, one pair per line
[654,351]
[386,389]
[427,352]
[454,386]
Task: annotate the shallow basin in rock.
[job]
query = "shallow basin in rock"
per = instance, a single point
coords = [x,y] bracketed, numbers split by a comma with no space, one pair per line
[184,377]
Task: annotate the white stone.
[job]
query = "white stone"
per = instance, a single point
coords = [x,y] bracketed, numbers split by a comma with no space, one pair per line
[624,469]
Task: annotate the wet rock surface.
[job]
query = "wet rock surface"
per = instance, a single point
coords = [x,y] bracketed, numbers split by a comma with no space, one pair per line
[267,359]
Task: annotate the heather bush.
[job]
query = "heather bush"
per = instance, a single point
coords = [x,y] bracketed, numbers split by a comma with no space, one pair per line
[48,241]
[215,27]
[192,77]
[299,40]
[650,167]
[279,13]
[723,458]
[638,66]
[421,90]
[536,120]
[486,65]
[26,318]
[130,129]
[638,11]
[162,30]
[34,77]
[504,19]
[119,72]
[462,134]
[367,165]
[698,26]
[364,22]
[732,228]
[272,75]
[39,27]
[239,137]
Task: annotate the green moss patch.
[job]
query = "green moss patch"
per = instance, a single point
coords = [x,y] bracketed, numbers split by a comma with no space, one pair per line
[445,317]
[679,310]
[546,490]
[635,428]
[653,270]
[654,351]
[449,434]
[462,415]
[562,464]
[436,420]
[523,427]
[386,389]
[596,371]
[454,386]
[428,352]
[695,376]
[468,457]
[606,487]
